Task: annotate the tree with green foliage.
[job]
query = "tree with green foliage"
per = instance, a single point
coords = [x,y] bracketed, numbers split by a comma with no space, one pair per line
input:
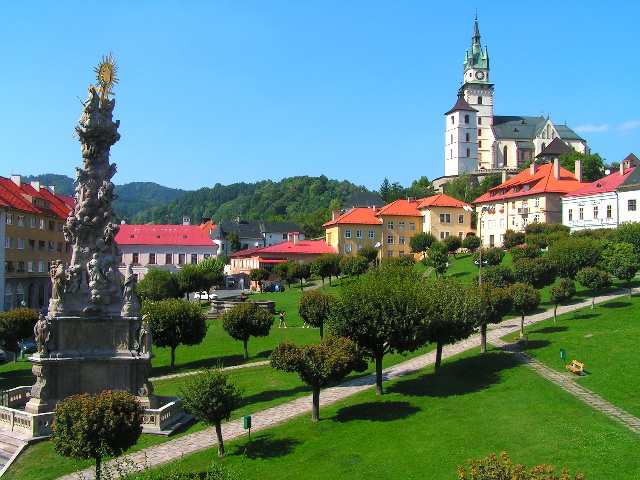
[437,258]
[592,165]
[446,319]
[214,268]
[370,253]
[194,278]
[512,239]
[284,273]
[528,251]
[383,311]
[487,304]
[314,308]
[525,301]
[629,232]
[384,190]
[96,426]
[300,271]
[245,320]
[539,240]
[175,322]
[16,325]
[326,265]
[453,243]
[463,188]
[210,396]
[319,365]
[593,279]
[490,256]
[572,254]
[234,242]
[471,242]
[421,242]
[259,275]
[157,285]
[502,468]
[625,268]
[561,293]
[421,188]
[353,266]
[401,261]
[537,272]
[497,275]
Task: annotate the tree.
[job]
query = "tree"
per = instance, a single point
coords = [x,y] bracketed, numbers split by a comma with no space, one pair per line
[383,311]
[537,272]
[193,278]
[211,397]
[421,188]
[234,242]
[629,232]
[353,266]
[471,243]
[594,280]
[592,165]
[158,285]
[572,254]
[561,293]
[384,190]
[300,271]
[369,252]
[401,261]
[437,257]
[283,271]
[319,365]
[494,468]
[175,322]
[525,301]
[512,239]
[314,308]
[214,268]
[326,265]
[625,268]
[259,275]
[16,325]
[453,243]
[246,320]
[94,426]
[421,242]
[446,318]
[528,251]
[498,276]
[487,304]
[463,188]
[490,256]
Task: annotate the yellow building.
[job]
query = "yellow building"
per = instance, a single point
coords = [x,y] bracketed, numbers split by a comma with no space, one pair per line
[351,231]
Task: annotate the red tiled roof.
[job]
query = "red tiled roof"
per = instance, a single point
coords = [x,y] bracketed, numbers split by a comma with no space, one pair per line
[442,200]
[359,215]
[302,247]
[14,196]
[208,227]
[401,207]
[187,235]
[604,185]
[542,181]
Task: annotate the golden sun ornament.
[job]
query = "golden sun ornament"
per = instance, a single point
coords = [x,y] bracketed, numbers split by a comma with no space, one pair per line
[106,75]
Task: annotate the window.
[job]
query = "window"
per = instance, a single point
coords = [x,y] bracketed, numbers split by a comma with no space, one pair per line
[358,233]
[445,218]
[412,226]
[390,225]
[401,253]
[479,143]
[60,227]
[479,132]
[181,258]
[40,267]
[571,215]
[152,259]
[20,267]
[9,219]
[8,266]
[401,240]
[41,224]
[536,202]
[30,266]
[595,212]
[452,120]
[502,222]
[8,242]
[284,236]
[466,119]
[371,234]
[479,100]
[581,213]
[21,244]
[21,220]
[609,212]
[52,246]
[67,247]
[8,298]
[390,253]
[467,137]
[358,247]
[479,120]
[135,257]
[347,248]
[444,235]
[168,258]
[194,258]
[52,225]
[400,225]
[536,219]
[32,244]
[632,205]
[461,218]
[32,222]
[461,234]
[468,152]
[390,240]
[347,234]
[59,247]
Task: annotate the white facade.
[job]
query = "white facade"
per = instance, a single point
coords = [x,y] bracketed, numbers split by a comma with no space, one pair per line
[3,217]
[591,211]
[628,205]
[166,257]
[461,146]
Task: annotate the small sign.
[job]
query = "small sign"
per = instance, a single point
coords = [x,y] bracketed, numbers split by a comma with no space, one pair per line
[563,354]
[247,422]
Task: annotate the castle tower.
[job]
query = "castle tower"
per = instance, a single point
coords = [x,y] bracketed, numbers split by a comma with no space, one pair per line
[461,140]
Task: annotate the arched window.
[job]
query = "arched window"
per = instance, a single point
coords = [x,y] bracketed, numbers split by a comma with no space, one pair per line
[20,295]
[452,120]
[467,137]
[468,152]
[451,138]
[41,296]
[504,156]
[8,297]
[479,100]
[466,119]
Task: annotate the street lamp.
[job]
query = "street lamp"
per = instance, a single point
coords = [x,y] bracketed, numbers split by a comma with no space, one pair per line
[483,210]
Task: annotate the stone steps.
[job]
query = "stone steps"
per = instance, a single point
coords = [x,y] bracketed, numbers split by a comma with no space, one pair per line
[9,450]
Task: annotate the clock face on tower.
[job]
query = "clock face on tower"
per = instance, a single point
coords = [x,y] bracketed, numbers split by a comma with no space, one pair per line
[480,75]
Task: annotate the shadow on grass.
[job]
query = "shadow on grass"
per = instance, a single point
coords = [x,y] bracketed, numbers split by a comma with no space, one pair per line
[586,316]
[265,447]
[534,344]
[460,274]
[550,330]
[16,378]
[376,412]
[615,304]
[226,361]
[460,377]
[269,395]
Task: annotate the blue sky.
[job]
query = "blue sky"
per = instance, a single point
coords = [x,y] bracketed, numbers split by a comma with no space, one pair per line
[229,91]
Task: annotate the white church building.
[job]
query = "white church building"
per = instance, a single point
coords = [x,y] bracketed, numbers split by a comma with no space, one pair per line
[479,142]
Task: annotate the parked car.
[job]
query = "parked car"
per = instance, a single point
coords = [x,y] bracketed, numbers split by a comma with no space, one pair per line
[273,287]
[230,281]
[28,347]
[205,296]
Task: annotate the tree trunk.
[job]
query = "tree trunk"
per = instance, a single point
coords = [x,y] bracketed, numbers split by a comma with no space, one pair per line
[315,410]
[379,375]
[173,357]
[321,330]
[593,301]
[629,288]
[483,338]
[246,349]
[220,441]
[555,309]
[98,467]
[436,366]
[522,325]
[301,289]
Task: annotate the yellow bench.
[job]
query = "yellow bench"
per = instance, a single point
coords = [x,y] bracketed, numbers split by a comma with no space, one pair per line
[576,367]
[522,338]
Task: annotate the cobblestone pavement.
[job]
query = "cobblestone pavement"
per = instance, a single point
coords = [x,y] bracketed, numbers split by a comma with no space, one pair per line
[204,439]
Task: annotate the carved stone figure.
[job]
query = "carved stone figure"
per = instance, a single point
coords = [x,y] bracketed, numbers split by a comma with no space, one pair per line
[58,278]
[42,334]
[145,340]
[131,307]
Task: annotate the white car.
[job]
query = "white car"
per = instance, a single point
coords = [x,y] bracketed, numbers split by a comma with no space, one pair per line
[205,296]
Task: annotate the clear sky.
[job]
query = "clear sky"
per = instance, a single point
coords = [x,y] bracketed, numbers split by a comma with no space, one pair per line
[229,91]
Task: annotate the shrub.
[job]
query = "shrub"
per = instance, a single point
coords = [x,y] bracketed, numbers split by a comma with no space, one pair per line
[498,276]
[528,251]
[512,238]
[491,256]
[537,272]
[471,243]
[247,320]
[16,325]
[561,293]
[158,285]
[453,243]
[502,468]
[594,280]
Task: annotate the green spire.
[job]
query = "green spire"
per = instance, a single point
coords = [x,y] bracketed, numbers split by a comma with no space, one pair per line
[476,57]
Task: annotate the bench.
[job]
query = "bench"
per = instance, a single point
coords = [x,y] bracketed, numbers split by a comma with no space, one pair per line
[522,338]
[576,367]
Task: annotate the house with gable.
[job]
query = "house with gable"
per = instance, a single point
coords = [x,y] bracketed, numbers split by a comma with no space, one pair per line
[349,232]
[629,192]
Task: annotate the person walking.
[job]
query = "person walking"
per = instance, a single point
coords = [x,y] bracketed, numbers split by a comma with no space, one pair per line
[282,322]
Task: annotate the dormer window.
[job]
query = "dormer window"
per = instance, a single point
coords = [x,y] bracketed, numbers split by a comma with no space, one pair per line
[527,187]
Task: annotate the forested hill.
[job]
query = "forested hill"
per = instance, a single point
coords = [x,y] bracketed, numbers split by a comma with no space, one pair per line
[305,200]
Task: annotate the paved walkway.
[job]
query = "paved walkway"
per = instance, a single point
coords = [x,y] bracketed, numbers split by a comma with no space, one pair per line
[204,439]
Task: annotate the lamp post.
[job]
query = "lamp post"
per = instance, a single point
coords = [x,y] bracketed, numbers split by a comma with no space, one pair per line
[482,211]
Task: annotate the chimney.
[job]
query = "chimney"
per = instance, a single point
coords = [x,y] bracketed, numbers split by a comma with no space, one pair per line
[411,199]
[296,237]
[186,221]
[556,168]
[17,180]
[51,188]
[532,168]
[36,185]
[579,170]
[335,215]
[206,219]
[504,176]
[622,167]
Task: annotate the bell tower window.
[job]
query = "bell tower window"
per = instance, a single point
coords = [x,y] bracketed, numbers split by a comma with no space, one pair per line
[479,100]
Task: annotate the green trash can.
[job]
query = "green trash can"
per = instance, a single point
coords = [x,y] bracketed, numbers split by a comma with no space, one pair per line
[563,354]
[247,422]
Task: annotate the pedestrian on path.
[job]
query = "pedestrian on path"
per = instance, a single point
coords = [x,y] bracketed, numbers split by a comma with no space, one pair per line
[282,322]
